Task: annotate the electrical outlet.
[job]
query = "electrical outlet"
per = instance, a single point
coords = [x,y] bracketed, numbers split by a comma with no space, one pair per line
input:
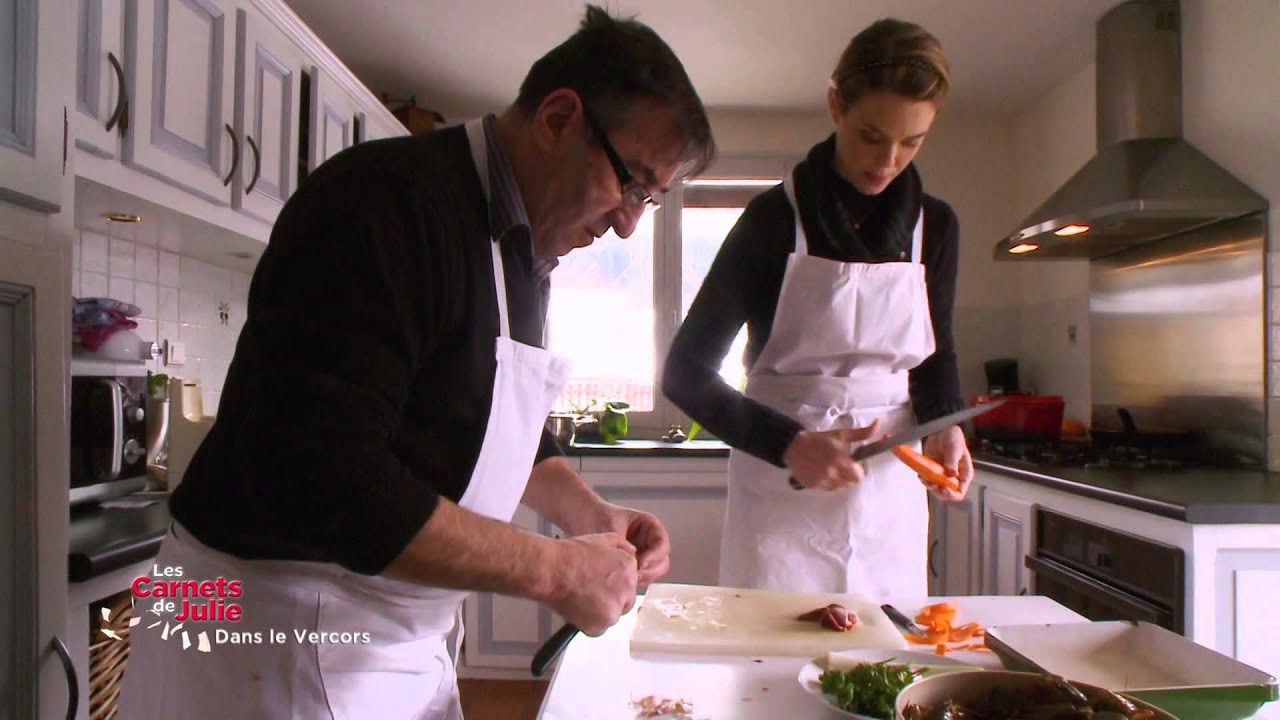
[175,352]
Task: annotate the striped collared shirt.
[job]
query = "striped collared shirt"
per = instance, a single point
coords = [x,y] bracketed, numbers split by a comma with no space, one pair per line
[508,219]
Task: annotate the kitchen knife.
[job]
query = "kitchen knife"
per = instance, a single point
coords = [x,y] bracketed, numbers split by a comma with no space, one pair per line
[552,648]
[915,433]
[902,621]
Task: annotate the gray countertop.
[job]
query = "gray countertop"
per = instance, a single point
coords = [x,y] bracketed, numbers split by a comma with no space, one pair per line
[1200,495]
[651,448]
[106,539]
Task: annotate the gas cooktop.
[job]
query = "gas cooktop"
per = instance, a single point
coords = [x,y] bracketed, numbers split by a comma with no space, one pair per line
[1080,454]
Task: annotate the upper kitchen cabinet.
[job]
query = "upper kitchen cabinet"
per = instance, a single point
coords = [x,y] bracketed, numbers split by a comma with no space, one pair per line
[182,86]
[336,119]
[269,70]
[101,114]
[32,112]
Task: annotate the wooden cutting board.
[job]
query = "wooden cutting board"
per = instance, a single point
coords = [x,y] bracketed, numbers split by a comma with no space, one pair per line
[701,620]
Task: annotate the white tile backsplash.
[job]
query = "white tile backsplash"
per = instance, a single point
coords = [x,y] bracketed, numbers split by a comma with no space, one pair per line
[146,265]
[178,296]
[93,253]
[120,258]
[167,305]
[120,288]
[93,284]
[169,270]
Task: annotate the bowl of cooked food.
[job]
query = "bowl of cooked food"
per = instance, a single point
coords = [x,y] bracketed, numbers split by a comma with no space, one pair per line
[992,695]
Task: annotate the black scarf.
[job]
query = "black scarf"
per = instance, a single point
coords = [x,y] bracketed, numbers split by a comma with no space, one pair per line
[857,227]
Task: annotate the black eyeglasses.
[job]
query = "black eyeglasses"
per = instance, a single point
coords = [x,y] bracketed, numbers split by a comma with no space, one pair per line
[633,192]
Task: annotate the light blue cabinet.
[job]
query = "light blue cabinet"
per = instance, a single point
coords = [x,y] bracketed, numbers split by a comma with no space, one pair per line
[37,676]
[181,79]
[32,127]
[102,112]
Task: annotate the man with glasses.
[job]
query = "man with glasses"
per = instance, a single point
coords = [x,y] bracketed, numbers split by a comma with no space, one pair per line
[383,415]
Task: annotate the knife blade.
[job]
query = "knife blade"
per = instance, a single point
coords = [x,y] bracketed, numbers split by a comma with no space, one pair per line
[914,433]
[902,621]
[923,430]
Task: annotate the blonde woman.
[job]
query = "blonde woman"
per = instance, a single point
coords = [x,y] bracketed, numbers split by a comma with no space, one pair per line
[845,276]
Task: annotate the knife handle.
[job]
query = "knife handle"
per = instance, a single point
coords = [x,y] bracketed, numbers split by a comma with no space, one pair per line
[552,648]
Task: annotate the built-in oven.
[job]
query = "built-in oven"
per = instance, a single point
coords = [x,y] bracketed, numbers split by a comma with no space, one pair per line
[1106,574]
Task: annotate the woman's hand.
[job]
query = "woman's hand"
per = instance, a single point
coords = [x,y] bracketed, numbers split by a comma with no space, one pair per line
[950,448]
[823,459]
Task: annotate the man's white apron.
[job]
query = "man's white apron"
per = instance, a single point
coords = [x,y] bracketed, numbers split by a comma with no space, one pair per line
[405,670]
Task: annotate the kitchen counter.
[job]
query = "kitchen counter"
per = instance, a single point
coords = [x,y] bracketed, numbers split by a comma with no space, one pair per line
[1200,496]
[651,448]
[110,538]
[597,678]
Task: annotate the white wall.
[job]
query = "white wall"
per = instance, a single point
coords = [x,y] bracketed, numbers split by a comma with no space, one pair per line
[1052,139]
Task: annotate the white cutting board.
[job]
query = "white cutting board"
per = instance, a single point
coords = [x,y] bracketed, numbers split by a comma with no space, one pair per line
[701,620]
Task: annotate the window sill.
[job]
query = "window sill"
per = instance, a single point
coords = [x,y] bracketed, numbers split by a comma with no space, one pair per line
[651,448]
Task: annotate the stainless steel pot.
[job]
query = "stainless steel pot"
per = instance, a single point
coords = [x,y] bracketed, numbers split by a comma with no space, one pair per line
[561,425]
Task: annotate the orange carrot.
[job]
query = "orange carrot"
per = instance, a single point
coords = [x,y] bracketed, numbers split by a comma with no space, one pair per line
[930,470]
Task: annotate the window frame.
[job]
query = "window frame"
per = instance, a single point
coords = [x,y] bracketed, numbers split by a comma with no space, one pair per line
[667,258]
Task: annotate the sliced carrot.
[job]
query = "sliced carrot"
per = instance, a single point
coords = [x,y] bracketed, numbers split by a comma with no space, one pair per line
[936,620]
[930,470]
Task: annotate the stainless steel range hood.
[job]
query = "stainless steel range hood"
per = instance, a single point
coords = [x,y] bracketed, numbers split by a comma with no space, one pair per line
[1146,182]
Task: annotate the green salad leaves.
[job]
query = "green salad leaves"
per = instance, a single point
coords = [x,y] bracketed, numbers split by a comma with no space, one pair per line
[868,689]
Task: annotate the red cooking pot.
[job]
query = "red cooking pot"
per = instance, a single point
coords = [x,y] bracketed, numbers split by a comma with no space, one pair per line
[1021,417]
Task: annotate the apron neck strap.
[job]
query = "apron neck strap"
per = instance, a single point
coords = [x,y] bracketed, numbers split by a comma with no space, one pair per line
[802,242]
[480,155]
[917,237]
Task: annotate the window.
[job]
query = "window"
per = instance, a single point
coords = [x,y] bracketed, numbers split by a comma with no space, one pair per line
[615,306]
[601,317]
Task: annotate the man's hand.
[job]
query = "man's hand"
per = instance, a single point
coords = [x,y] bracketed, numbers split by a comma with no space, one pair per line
[559,494]
[597,581]
[823,459]
[950,449]
[647,534]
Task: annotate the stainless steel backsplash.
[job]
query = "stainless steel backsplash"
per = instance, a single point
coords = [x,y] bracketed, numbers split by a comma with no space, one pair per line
[1179,337]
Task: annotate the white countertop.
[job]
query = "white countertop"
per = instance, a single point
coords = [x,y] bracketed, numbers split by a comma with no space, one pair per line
[597,678]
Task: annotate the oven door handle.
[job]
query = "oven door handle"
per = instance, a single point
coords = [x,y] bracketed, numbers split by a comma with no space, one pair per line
[117,427]
[1097,590]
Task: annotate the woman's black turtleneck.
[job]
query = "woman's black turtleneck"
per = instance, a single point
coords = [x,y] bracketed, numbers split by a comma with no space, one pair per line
[745,279]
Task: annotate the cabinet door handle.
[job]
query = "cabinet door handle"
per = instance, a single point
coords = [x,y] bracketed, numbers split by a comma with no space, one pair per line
[933,570]
[121,113]
[69,669]
[257,164]
[235,155]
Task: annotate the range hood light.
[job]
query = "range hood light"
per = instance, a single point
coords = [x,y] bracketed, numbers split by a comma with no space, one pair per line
[1023,248]
[1145,182]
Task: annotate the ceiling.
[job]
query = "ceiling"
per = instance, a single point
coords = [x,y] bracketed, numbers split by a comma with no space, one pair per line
[466,57]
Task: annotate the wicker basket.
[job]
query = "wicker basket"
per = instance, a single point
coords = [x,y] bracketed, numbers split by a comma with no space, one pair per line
[108,653]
